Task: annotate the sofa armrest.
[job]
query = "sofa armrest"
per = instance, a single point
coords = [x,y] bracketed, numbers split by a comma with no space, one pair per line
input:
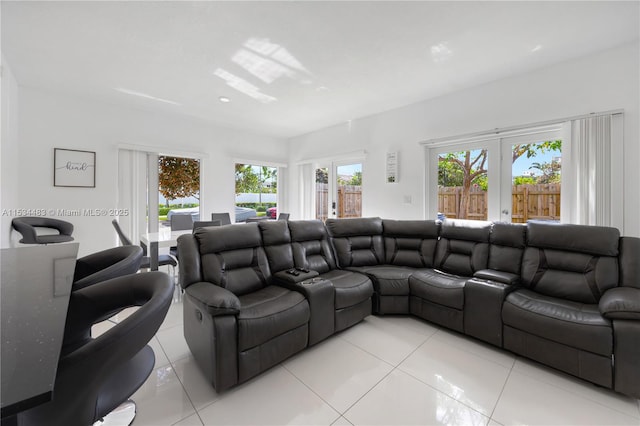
[498,276]
[320,295]
[621,303]
[292,276]
[214,299]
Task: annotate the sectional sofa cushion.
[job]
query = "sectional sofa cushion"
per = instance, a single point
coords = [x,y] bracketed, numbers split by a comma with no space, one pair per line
[268,313]
[350,288]
[233,258]
[508,241]
[387,280]
[437,287]
[276,241]
[357,242]
[574,324]
[463,247]
[410,242]
[571,262]
[310,245]
[594,240]
[462,250]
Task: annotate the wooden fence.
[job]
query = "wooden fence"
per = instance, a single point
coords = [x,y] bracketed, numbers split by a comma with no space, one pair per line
[528,202]
[349,201]
[449,198]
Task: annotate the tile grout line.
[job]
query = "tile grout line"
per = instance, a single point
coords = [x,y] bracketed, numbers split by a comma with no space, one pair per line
[385,361]
[184,389]
[372,387]
[385,376]
[562,374]
[312,391]
[438,390]
[501,392]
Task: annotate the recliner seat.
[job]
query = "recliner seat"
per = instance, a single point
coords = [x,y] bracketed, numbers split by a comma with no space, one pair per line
[352,291]
[556,319]
[387,251]
[437,294]
[237,324]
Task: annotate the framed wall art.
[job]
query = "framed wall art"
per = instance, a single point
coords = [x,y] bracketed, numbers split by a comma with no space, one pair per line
[74,168]
[392,167]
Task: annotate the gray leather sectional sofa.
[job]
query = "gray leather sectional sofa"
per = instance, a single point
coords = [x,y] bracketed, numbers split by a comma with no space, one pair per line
[567,296]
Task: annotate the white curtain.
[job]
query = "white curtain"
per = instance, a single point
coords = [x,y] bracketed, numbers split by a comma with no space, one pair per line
[591,187]
[132,192]
[307,191]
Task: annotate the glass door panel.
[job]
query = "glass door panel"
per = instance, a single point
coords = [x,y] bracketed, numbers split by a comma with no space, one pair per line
[348,190]
[463,184]
[532,178]
[322,193]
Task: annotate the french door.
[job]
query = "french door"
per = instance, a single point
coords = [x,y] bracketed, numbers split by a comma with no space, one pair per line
[338,190]
[510,179]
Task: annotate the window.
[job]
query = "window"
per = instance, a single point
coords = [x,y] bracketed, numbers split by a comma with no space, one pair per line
[566,170]
[256,191]
[140,181]
[178,187]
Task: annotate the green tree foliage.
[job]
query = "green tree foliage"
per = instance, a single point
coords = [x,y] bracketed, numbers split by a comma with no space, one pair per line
[524,180]
[250,180]
[550,172]
[322,175]
[356,179]
[268,175]
[178,177]
[533,149]
[247,180]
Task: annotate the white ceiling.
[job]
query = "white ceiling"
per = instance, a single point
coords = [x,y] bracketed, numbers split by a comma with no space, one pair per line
[290,68]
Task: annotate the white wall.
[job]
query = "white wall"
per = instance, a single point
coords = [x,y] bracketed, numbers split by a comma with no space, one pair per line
[50,120]
[8,151]
[604,81]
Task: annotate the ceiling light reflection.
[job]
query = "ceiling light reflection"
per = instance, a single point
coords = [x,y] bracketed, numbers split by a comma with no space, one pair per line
[146,96]
[535,49]
[275,51]
[243,86]
[269,61]
[263,68]
[441,52]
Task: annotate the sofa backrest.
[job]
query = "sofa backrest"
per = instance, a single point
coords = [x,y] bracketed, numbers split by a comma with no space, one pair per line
[463,247]
[410,242]
[310,244]
[233,257]
[507,243]
[357,242]
[276,241]
[573,262]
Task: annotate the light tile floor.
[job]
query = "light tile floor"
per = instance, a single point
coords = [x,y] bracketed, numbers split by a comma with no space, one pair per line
[388,370]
